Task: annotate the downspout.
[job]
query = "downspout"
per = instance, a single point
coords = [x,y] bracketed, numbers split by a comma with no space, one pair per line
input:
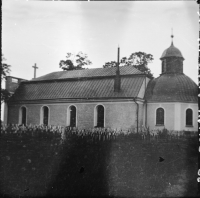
[145,101]
[145,114]
[137,112]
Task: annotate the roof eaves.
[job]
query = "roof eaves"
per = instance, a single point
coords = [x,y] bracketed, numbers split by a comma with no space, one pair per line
[72,99]
[171,101]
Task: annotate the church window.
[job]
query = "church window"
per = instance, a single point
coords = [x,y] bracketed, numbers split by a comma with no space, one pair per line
[189,117]
[72,116]
[99,118]
[45,115]
[22,115]
[160,116]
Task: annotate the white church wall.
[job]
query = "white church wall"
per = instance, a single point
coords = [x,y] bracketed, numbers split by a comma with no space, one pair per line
[175,116]
[33,113]
[121,115]
[13,114]
[118,115]
[58,114]
[184,107]
[85,115]
[141,115]
[169,114]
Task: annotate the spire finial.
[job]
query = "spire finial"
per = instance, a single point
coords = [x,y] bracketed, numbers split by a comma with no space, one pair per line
[172,36]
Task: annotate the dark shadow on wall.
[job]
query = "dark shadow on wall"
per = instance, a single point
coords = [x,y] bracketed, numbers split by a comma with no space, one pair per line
[82,170]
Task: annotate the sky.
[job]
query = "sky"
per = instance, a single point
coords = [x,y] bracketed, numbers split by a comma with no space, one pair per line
[42,32]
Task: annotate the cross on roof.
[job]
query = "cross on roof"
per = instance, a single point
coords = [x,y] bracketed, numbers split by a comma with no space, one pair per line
[35,67]
[172,36]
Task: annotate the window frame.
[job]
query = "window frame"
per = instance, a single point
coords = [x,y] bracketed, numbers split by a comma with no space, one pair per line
[96,115]
[42,114]
[186,117]
[20,115]
[156,120]
[69,117]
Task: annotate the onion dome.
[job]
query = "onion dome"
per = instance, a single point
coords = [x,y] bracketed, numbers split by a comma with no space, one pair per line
[172,87]
[172,52]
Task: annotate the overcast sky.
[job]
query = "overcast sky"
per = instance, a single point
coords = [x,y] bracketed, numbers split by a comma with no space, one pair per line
[42,32]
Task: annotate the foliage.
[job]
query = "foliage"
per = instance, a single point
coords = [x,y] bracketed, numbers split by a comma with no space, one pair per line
[139,60]
[43,166]
[110,64]
[5,69]
[75,62]
[5,95]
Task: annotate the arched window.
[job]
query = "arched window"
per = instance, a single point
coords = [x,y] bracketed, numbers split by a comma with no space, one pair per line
[100,116]
[22,115]
[72,116]
[160,116]
[45,115]
[189,117]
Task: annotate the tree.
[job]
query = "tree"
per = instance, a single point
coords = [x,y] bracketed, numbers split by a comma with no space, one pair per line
[139,60]
[110,64]
[5,95]
[5,69]
[75,62]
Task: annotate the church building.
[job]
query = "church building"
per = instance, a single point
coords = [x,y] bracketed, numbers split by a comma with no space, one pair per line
[116,97]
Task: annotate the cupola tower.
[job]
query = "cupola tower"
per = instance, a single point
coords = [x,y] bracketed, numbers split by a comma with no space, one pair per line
[172,60]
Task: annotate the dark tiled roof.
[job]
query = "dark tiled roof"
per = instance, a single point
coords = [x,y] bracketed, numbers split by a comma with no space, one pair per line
[172,88]
[87,88]
[87,73]
[172,51]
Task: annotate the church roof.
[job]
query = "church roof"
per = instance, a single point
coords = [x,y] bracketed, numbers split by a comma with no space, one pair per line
[92,88]
[87,73]
[81,84]
[172,52]
[172,88]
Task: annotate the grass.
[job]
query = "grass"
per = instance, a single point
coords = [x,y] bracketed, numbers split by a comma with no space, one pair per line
[125,167]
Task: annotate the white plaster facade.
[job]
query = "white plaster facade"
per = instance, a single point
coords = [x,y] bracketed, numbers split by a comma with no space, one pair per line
[174,116]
